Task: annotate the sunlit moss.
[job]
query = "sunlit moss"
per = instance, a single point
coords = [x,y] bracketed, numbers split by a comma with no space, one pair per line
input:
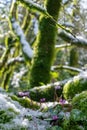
[6,67]
[74,86]
[26,102]
[76,121]
[80,102]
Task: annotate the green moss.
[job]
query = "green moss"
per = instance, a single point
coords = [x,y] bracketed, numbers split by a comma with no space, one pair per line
[78,115]
[33,7]
[80,102]
[12,110]
[44,51]
[76,121]
[44,46]
[47,93]
[6,78]
[53,7]
[26,102]
[73,127]
[75,86]
[5,116]
[74,57]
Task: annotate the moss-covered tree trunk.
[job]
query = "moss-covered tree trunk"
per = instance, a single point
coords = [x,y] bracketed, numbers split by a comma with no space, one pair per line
[74,50]
[44,46]
[74,56]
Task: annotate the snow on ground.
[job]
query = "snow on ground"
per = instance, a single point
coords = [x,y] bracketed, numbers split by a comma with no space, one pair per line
[15,117]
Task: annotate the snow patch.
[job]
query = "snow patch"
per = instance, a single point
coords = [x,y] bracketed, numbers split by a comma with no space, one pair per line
[19,115]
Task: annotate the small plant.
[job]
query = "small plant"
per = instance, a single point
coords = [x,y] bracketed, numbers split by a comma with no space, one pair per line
[76,121]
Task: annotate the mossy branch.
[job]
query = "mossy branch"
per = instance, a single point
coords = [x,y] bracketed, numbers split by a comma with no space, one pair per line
[14,10]
[4,58]
[53,91]
[26,22]
[75,86]
[26,102]
[32,6]
[49,92]
[6,67]
[35,7]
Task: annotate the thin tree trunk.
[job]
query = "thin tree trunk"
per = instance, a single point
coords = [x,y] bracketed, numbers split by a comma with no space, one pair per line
[74,50]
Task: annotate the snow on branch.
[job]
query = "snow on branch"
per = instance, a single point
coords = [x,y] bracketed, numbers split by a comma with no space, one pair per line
[5,34]
[33,6]
[15,60]
[27,50]
[78,40]
[62,46]
[67,68]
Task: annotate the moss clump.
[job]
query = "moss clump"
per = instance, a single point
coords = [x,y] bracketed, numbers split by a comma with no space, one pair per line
[45,92]
[80,102]
[76,121]
[75,86]
[26,102]
[78,115]
[6,116]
